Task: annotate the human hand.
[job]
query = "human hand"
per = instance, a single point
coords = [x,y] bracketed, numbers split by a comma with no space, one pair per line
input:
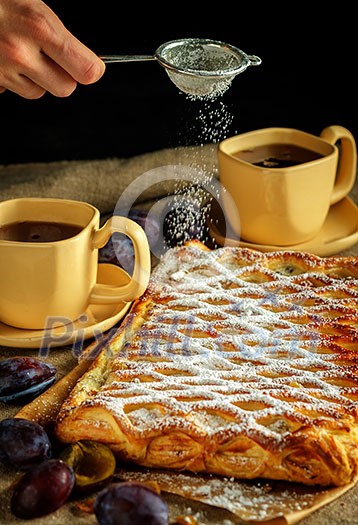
[38,54]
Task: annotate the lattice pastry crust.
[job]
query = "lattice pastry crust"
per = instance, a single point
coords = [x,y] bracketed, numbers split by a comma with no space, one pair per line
[233,362]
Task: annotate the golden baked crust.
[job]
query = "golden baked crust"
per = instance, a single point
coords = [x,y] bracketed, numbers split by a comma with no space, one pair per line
[233,362]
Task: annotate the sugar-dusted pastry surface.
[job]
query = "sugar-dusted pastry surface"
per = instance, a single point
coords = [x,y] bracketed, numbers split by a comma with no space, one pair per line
[233,362]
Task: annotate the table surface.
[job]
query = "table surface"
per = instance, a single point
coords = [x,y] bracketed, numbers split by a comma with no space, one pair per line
[342,511]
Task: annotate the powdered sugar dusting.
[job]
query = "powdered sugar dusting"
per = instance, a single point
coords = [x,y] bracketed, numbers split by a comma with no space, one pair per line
[257,501]
[243,354]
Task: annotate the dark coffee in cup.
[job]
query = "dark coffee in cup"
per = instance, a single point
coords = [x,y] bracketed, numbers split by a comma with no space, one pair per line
[277,155]
[36,231]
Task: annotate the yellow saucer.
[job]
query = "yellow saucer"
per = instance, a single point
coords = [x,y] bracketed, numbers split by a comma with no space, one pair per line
[96,320]
[339,232]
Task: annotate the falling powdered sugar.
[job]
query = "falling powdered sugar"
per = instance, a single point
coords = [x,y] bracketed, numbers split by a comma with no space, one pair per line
[190,204]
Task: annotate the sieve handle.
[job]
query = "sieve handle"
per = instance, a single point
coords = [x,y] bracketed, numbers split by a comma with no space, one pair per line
[125,58]
[254,60]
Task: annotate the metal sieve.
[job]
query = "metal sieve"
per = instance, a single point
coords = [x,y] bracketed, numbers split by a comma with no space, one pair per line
[198,67]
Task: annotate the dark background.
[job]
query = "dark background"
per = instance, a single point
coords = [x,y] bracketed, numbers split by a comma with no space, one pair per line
[305,81]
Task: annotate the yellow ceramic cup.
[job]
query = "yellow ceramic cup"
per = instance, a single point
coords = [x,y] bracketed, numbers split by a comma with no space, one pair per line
[57,279]
[284,205]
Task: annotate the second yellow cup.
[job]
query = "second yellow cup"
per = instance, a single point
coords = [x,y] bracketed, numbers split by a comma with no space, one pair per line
[283,181]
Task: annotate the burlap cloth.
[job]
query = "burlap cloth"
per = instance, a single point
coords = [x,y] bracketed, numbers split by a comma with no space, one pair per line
[101,183]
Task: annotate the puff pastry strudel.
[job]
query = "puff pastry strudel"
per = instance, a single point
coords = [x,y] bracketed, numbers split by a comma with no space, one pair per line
[233,362]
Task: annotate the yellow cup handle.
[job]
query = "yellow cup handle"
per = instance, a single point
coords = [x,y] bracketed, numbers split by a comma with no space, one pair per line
[107,294]
[347,167]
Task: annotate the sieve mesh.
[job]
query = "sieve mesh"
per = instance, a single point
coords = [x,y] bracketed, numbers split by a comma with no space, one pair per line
[201,58]
[201,68]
